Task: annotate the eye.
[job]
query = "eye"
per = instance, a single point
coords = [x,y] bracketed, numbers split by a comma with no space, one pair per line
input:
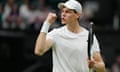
[62,11]
[68,11]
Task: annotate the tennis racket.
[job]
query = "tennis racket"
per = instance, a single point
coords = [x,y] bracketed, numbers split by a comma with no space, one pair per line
[90,42]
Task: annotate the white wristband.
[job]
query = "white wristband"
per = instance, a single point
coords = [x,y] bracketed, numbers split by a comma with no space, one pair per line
[45,27]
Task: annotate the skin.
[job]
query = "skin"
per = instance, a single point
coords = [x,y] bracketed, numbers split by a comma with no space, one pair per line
[70,18]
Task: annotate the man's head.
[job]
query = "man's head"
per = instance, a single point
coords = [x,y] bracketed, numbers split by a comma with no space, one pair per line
[70,11]
[71,4]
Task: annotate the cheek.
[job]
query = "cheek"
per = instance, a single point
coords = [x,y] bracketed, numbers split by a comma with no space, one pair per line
[71,17]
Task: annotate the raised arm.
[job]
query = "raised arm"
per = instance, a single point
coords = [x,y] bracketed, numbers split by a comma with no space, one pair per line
[42,43]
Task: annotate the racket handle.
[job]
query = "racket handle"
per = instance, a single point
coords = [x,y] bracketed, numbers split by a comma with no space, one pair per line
[90,70]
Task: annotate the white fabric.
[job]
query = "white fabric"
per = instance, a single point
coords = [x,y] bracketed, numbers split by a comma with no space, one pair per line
[24,11]
[6,12]
[31,15]
[45,27]
[70,50]
[27,14]
[72,4]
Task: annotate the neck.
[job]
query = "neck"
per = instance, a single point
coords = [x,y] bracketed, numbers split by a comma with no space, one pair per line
[74,27]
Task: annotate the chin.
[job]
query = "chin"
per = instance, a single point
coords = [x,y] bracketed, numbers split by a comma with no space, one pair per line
[63,22]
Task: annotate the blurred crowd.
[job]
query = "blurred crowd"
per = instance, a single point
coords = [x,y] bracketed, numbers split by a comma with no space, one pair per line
[30,15]
[23,14]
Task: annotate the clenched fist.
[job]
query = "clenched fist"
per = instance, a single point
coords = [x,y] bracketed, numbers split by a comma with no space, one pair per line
[51,18]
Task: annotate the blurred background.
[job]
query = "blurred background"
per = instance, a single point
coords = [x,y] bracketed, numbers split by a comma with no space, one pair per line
[21,21]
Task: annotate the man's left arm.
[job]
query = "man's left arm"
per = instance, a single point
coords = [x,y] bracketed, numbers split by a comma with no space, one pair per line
[99,64]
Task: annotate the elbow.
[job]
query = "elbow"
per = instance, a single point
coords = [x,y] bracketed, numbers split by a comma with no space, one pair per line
[38,52]
[102,66]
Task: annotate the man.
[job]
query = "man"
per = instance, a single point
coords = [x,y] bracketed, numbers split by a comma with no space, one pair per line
[69,43]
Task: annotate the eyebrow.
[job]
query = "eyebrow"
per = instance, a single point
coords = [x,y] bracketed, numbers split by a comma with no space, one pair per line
[72,10]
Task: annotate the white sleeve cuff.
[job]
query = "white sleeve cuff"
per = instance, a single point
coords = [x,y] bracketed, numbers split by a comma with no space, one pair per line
[45,27]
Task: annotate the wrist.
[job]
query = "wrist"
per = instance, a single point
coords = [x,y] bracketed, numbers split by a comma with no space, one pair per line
[45,27]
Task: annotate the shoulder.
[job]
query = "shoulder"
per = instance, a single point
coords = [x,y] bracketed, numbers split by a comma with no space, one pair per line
[85,31]
[57,30]
[54,33]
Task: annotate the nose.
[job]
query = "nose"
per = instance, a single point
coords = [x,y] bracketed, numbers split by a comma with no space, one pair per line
[63,14]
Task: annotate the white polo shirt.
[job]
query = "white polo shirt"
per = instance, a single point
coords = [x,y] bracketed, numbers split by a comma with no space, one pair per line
[70,50]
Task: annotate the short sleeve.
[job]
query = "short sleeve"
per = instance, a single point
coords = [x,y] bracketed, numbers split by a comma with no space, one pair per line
[52,35]
[95,46]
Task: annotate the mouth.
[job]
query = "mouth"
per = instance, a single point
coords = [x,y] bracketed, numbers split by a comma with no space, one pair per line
[63,19]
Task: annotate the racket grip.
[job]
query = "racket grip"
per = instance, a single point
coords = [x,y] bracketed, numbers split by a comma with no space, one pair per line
[90,70]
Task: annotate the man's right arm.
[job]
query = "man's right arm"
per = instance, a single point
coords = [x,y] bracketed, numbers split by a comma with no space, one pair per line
[42,43]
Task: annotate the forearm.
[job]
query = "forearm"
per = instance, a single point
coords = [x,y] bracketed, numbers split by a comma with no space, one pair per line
[41,40]
[43,44]
[40,44]
[100,67]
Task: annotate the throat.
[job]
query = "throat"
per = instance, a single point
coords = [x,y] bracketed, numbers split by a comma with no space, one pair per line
[74,29]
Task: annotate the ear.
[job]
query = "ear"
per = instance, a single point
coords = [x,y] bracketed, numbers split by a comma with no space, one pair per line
[78,15]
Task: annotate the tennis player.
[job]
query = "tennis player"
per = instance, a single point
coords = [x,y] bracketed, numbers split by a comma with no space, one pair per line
[69,42]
